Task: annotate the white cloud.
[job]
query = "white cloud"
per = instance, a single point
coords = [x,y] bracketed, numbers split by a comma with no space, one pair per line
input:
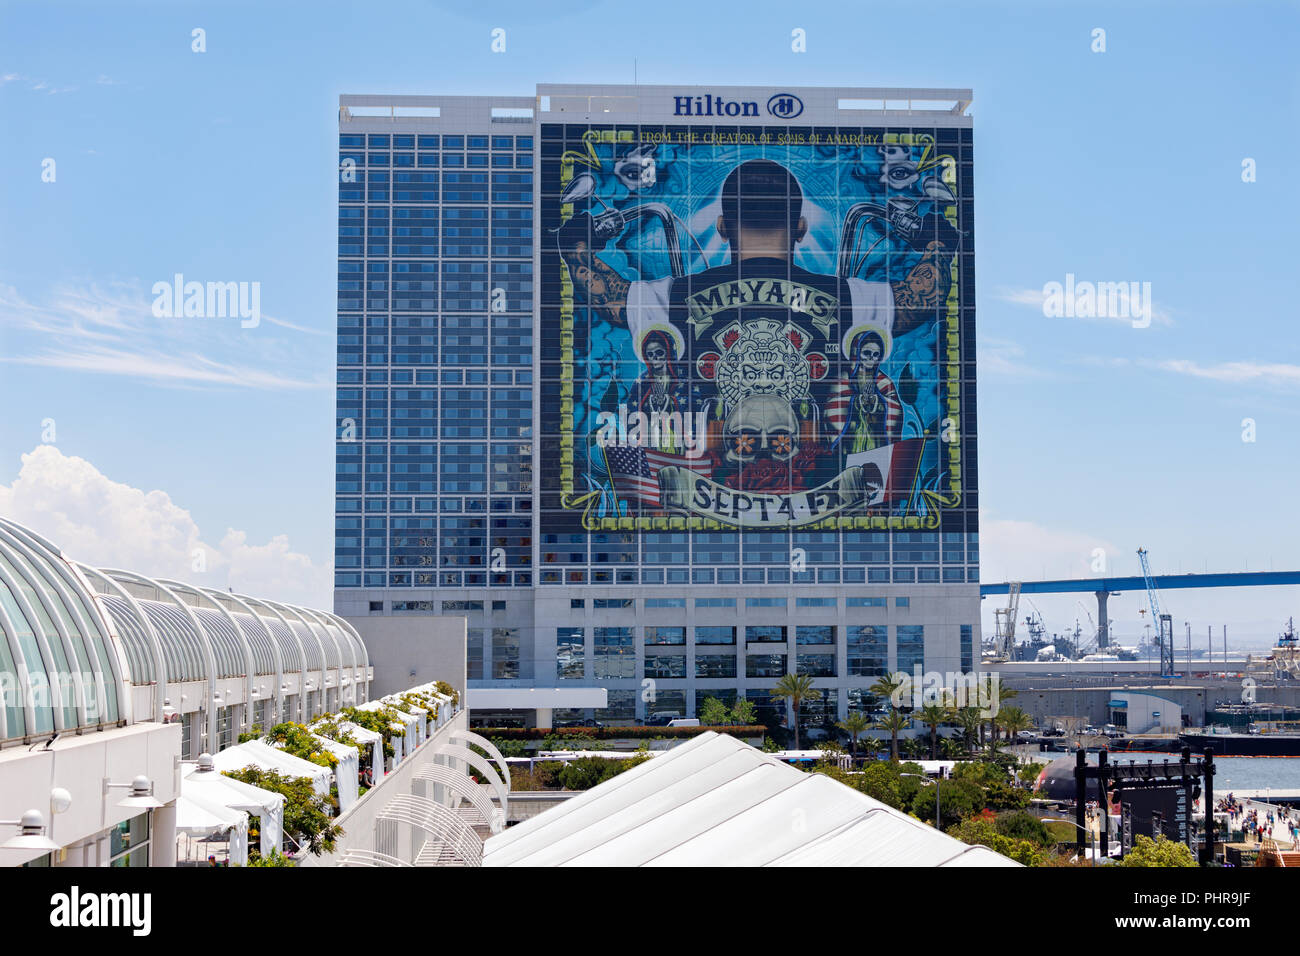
[1012,550]
[1002,358]
[109,328]
[105,523]
[1269,373]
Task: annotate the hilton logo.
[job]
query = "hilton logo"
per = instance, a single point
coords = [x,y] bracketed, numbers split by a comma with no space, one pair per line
[785,106]
[782,106]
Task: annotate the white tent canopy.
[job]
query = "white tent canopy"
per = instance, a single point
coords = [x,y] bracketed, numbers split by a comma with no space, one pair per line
[718,801]
[347,772]
[403,743]
[215,787]
[200,817]
[255,753]
[371,739]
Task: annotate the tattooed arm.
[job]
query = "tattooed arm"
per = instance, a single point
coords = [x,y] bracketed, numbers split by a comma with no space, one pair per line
[605,289]
[919,297]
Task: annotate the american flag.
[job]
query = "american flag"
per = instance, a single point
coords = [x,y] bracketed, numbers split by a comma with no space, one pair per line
[635,470]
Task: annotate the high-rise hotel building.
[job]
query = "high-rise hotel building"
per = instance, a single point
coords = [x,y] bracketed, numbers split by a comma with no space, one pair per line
[667,390]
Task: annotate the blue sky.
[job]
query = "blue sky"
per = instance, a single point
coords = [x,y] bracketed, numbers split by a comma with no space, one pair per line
[1117,166]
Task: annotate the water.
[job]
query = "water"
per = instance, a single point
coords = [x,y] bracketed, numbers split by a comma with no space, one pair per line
[1256,773]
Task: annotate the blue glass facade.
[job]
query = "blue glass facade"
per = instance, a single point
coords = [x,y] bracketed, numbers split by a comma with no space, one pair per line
[451,442]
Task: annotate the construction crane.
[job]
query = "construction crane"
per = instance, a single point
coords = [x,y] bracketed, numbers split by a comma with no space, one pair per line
[1164,623]
[1005,625]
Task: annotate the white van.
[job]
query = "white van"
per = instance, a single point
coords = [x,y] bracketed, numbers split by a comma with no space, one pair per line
[684,722]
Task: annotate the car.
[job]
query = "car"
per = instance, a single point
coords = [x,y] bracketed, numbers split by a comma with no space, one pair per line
[1027,735]
[1054,732]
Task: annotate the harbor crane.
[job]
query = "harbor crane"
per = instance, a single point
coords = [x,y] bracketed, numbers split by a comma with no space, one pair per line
[1005,626]
[1164,622]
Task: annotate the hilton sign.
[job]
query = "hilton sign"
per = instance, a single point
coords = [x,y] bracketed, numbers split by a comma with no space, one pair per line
[781,105]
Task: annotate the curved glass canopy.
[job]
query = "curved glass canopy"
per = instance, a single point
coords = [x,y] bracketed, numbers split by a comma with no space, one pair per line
[75,640]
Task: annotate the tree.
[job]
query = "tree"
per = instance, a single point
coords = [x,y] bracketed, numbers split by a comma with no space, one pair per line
[958,799]
[1158,852]
[714,713]
[886,686]
[1023,825]
[306,814]
[970,722]
[742,712]
[991,689]
[933,715]
[796,688]
[1014,720]
[893,721]
[855,725]
[979,830]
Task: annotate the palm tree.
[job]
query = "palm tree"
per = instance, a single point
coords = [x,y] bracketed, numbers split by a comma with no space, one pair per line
[932,715]
[796,688]
[991,688]
[893,721]
[1014,720]
[855,724]
[970,721]
[885,686]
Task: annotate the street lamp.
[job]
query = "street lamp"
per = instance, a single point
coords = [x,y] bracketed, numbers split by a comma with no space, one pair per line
[922,776]
[31,833]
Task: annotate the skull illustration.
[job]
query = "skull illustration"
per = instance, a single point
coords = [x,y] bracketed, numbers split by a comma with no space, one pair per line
[761,426]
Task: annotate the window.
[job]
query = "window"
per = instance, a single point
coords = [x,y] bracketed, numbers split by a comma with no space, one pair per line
[765,602]
[715,602]
[868,650]
[606,604]
[665,665]
[570,651]
[615,654]
[765,665]
[668,602]
[715,635]
[814,634]
[664,635]
[715,665]
[129,842]
[505,652]
[911,647]
[815,602]
[816,665]
[902,602]
[460,607]
[576,603]
[765,634]
[866,602]
[967,648]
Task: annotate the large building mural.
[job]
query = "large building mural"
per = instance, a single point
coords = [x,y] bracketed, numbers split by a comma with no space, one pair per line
[747,330]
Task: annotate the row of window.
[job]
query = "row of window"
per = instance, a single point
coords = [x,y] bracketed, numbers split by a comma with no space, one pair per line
[644,575]
[432,141]
[613,654]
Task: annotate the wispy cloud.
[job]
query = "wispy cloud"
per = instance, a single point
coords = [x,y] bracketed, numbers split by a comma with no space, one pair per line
[188,369]
[1003,358]
[34,85]
[1266,373]
[109,328]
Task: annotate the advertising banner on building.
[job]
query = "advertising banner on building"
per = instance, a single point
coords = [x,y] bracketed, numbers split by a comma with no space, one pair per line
[753,329]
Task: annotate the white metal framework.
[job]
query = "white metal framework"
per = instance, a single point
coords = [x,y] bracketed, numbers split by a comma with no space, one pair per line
[443,838]
[85,648]
[481,809]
